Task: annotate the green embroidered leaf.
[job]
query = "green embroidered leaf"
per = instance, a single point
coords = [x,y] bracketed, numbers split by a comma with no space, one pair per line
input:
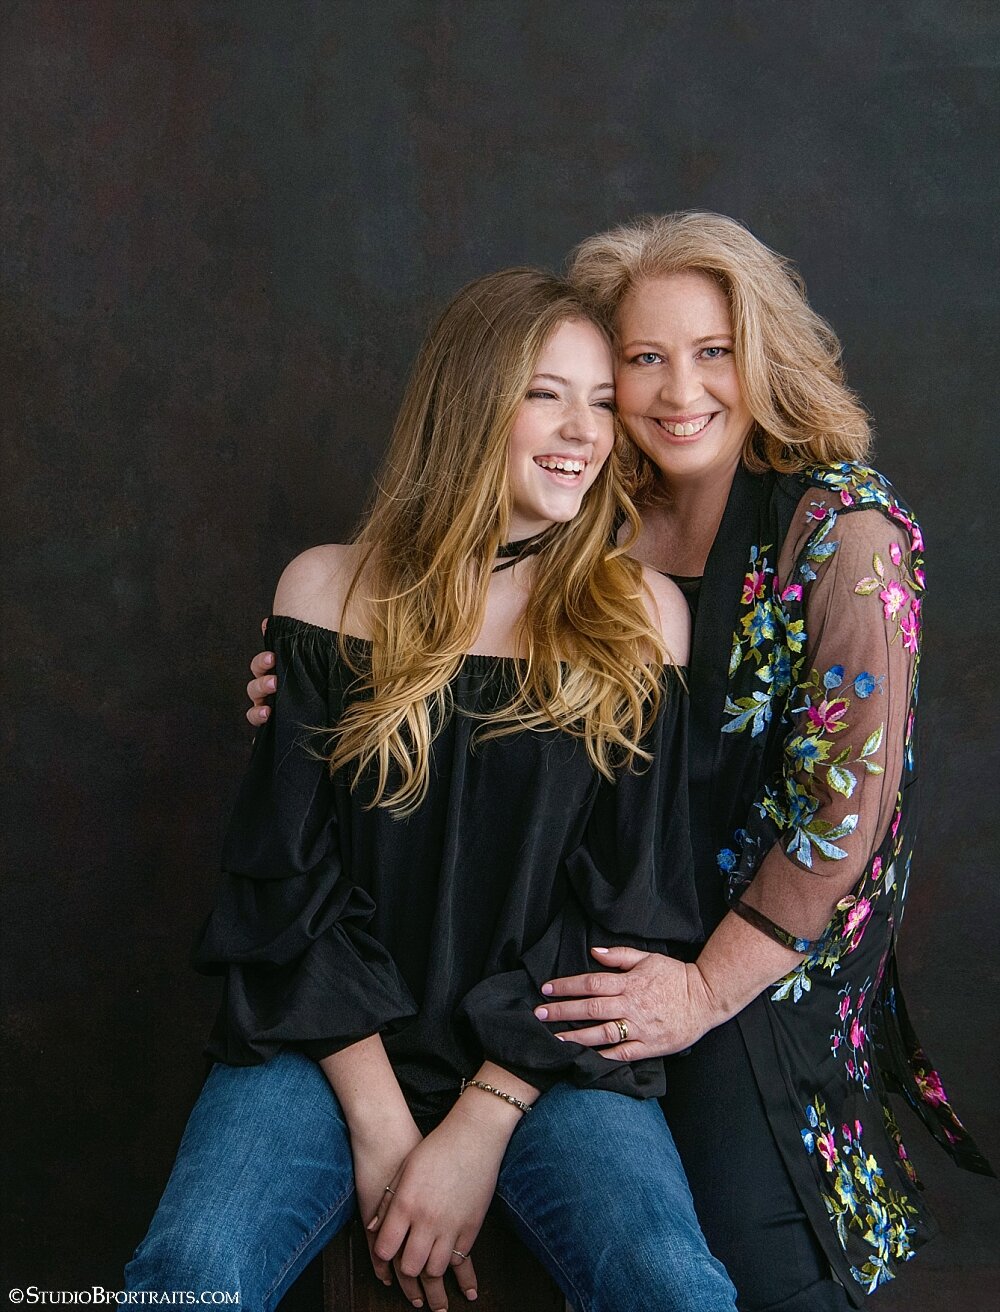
[841,781]
[866,586]
[873,768]
[845,755]
[873,742]
[878,566]
[736,656]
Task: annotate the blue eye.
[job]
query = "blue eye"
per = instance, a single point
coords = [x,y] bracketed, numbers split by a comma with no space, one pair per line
[715,352]
[542,396]
[607,405]
[645,357]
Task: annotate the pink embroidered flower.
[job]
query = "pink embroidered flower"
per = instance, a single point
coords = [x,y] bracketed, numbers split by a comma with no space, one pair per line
[835,1045]
[858,1127]
[817,511]
[849,1067]
[909,627]
[845,1006]
[895,555]
[857,1034]
[845,1130]
[826,715]
[916,537]
[828,1148]
[952,1138]
[931,1088]
[920,577]
[895,823]
[877,868]
[792,593]
[857,916]
[753,586]
[894,597]
[846,497]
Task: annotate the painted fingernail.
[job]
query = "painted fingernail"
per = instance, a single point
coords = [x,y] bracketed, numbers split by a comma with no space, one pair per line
[560,1038]
[542,1013]
[546,989]
[372,1223]
[601,950]
[471,1295]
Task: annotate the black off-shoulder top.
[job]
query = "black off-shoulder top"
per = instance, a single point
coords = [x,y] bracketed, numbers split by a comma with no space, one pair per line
[336,922]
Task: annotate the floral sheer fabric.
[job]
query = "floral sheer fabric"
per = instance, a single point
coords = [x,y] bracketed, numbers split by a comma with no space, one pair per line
[814,767]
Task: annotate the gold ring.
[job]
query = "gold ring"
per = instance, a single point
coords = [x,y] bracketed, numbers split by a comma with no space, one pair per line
[463,1256]
[622,1029]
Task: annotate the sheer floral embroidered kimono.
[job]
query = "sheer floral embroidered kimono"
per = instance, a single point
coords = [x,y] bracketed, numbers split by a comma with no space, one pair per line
[803,771]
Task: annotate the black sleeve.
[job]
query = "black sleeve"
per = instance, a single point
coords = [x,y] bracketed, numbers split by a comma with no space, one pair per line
[289,930]
[631,882]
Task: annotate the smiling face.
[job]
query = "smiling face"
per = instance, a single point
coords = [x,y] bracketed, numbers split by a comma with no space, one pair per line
[677,386]
[564,430]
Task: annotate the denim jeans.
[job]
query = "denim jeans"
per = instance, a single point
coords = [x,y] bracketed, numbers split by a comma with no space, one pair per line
[263,1180]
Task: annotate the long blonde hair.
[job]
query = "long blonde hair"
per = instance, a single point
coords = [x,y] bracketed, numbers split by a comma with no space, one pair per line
[787,357]
[428,543]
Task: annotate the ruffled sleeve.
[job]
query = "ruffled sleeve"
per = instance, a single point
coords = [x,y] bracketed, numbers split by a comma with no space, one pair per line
[860,577]
[288,933]
[631,882]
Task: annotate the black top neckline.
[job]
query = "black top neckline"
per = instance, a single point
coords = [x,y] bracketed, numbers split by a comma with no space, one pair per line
[475,659]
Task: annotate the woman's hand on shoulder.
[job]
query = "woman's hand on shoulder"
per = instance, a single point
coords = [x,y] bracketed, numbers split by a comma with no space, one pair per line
[668,611]
[312,588]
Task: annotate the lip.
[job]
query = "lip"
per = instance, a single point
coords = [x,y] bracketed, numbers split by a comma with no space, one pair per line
[681,439]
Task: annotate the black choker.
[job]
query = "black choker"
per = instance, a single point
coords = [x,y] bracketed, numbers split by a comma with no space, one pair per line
[510,553]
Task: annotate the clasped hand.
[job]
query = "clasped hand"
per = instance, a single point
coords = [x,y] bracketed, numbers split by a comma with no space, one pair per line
[433,1208]
[664,1004]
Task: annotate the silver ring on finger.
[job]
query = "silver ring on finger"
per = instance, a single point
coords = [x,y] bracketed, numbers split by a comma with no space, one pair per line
[622,1029]
[463,1256]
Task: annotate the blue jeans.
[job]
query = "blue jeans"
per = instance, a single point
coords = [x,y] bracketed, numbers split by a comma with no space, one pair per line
[263,1180]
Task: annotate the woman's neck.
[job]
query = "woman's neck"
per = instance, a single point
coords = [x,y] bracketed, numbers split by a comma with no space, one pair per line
[678,532]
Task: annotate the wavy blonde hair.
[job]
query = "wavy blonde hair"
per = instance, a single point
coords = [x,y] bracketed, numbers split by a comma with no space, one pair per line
[787,357]
[428,544]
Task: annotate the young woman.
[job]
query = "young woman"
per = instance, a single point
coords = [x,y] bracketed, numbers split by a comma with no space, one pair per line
[805,573]
[473,776]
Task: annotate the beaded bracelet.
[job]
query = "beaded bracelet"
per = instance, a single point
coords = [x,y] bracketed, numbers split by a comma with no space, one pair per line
[499,1093]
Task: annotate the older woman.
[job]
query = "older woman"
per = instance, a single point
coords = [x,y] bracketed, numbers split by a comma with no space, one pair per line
[804,570]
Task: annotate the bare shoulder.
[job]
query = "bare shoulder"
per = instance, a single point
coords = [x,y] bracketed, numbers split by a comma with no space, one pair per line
[668,610]
[314,586]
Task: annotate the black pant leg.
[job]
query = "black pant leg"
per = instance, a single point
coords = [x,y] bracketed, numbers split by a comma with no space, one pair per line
[745,1199]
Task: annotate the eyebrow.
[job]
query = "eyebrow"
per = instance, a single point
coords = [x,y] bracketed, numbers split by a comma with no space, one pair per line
[698,341]
[555,378]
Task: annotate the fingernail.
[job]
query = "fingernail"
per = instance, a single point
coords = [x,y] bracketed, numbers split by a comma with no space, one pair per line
[372,1223]
[601,950]
[546,989]
[418,1302]
[268,659]
[471,1295]
[271,684]
[542,1013]
[560,1038]
[265,711]
[386,1280]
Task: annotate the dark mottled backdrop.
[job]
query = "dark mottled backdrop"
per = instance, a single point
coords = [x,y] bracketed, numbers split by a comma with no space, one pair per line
[225,225]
